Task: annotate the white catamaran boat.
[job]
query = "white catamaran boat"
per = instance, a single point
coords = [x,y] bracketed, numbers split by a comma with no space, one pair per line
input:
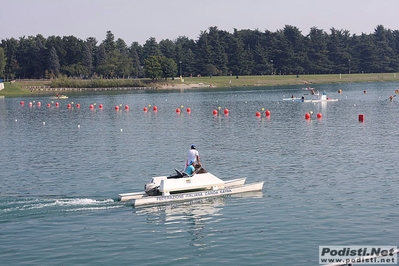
[180,187]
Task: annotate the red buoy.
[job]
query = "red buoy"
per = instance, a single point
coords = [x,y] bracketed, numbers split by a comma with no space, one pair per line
[78,105]
[145,109]
[48,105]
[100,106]
[30,103]
[21,102]
[91,106]
[319,115]
[178,110]
[226,111]
[361,118]
[155,108]
[39,103]
[116,108]
[307,116]
[188,110]
[215,112]
[57,104]
[267,113]
[126,107]
[257,114]
[69,106]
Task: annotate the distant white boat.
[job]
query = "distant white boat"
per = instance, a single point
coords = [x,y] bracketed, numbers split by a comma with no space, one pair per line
[322,98]
[59,97]
[314,98]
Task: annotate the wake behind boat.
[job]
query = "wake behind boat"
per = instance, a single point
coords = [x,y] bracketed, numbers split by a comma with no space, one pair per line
[180,187]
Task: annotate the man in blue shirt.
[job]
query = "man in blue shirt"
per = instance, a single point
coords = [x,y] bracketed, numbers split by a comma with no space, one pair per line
[190,169]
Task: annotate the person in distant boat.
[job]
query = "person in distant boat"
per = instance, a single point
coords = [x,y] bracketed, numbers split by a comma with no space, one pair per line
[391,98]
[190,169]
[57,95]
[193,155]
[292,96]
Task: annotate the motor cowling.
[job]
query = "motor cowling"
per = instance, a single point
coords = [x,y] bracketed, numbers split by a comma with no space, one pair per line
[152,189]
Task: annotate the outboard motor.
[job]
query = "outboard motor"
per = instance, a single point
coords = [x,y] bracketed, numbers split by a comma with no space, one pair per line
[151,189]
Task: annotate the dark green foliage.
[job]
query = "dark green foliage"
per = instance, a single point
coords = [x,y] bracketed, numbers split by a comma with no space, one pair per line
[169,67]
[153,67]
[2,62]
[53,63]
[215,52]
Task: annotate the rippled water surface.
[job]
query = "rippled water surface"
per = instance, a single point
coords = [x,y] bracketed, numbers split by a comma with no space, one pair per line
[328,181]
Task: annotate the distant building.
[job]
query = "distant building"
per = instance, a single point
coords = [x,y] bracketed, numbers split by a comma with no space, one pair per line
[1,84]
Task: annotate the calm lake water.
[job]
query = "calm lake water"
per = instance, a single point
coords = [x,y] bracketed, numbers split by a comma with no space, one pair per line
[329,181]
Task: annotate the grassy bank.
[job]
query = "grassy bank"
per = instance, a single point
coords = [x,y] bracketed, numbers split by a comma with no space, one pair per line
[278,80]
[24,87]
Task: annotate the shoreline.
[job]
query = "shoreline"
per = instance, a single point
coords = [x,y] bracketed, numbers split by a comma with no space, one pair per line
[17,88]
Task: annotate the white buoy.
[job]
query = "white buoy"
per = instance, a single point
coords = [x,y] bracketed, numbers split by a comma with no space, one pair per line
[121,129]
[78,126]
[44,123]
[16,120]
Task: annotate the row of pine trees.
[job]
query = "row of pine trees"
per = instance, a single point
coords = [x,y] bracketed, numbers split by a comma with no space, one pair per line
[215,52]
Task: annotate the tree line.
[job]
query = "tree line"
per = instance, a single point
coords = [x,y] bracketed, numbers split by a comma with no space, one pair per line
[215,52]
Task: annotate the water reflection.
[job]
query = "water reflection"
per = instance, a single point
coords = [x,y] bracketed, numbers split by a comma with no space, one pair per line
[194,218]
[197,208]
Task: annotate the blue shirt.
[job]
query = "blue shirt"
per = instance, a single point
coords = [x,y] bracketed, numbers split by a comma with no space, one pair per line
[190,170]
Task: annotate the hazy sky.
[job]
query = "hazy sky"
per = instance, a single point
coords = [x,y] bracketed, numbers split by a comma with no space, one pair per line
[134,20]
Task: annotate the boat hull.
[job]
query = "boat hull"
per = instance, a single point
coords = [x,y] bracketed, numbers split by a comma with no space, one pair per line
[293,99]
[320,100]
[155,200]
[139,195]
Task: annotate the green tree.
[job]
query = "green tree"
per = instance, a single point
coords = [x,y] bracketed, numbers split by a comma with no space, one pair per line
[293,53]
[365,53]
[203,52]
[109,43]
[383,39]
[217,50]
[151,48]
[168,48]
[136,65]
[100,58]
[139,50]
[11,51]
[124,63]
[53,63]
[238,60]
[153,67]
[2,62]
[317,52]
[210,70]
[261,60]
[338,51]
[169,67]
[39,51]
[189,64]
[88,58]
